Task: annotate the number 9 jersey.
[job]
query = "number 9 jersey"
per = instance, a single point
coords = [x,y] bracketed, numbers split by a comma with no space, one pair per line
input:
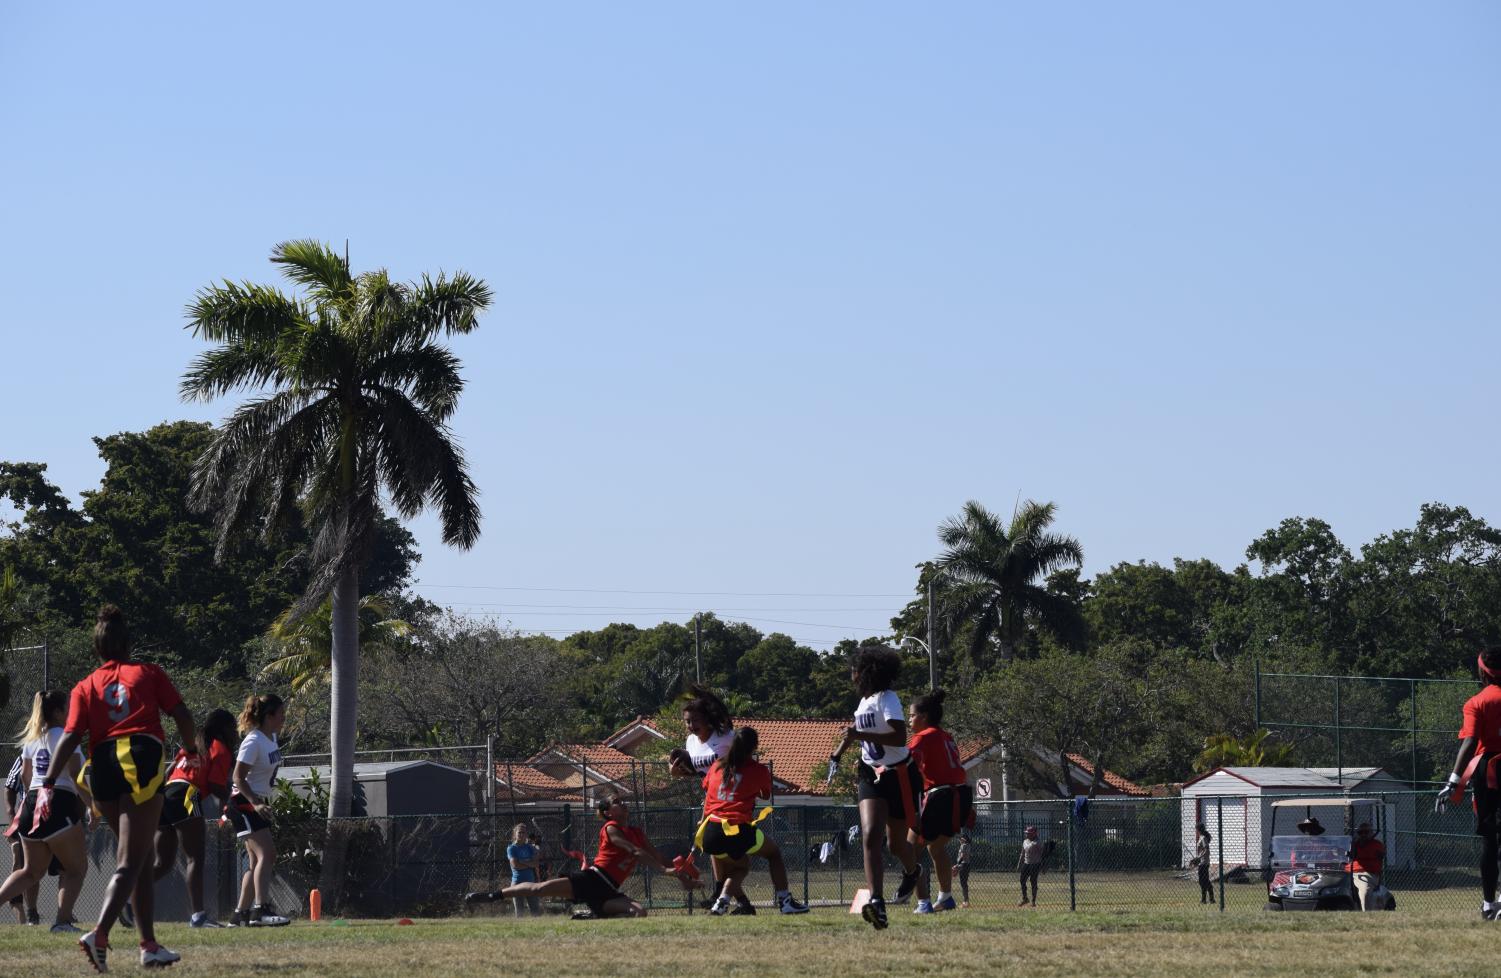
[119,699]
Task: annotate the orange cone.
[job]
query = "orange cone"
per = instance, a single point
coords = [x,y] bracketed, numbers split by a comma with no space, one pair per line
[315,905]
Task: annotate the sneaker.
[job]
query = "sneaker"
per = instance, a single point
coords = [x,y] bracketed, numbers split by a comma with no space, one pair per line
[790,905]
[482,896]
[236,919]
[720,907]
[153,955]
[95,952]
[265,915]
[127,916]
[947,903]
[909,883]
[202,919]
[743,910]
[874,913]
[923,906]
[65,927]
[964,905]
[33,918]
[1024,902]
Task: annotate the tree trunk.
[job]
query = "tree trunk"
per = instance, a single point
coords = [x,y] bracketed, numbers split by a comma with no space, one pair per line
[344,710]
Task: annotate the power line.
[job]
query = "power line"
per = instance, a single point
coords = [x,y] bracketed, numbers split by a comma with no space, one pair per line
[686,594]
[659,610]
[744,618]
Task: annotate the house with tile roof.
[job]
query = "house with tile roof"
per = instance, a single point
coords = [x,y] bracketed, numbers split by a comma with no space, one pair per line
[797,751]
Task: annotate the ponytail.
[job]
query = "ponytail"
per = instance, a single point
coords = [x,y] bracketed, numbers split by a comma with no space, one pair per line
[742,748]
[43,705]
[257,708]
[930,705]
[111,636]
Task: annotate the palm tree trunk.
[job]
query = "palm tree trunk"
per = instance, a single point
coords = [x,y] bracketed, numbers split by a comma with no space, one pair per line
[344,709]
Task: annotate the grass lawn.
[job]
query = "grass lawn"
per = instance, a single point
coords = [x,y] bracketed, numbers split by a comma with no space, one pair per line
[824,944]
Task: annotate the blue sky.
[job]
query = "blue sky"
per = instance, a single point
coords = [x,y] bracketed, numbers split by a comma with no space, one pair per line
[780,286]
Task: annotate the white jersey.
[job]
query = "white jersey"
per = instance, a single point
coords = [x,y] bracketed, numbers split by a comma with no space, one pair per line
[705,752]
[875,715]
[41,753]
[260,751]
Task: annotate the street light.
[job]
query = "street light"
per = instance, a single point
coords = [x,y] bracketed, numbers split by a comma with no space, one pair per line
[932,662]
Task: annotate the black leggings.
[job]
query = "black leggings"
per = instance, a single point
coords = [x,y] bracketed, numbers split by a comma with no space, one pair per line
[1488,868]
[1206,888]
[1030,872]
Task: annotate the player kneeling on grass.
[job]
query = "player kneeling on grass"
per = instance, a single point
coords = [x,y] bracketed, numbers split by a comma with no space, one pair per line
[621,846]
[730,831]
[947,802]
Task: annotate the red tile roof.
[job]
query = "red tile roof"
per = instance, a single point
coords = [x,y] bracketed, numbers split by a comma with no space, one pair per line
[797,751]
[1114,780]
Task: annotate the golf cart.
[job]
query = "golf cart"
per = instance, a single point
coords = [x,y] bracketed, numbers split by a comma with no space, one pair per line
[1309,868]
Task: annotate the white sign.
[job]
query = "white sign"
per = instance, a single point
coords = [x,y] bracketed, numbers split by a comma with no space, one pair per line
[982,788]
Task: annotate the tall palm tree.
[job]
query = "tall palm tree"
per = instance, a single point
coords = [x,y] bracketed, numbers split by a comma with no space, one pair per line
[354,395]
[996,575]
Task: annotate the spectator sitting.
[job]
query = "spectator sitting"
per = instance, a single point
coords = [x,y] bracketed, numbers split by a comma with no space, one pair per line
[1368,856]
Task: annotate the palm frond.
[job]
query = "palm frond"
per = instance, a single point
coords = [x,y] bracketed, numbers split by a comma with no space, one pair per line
[430,373]
[445,305]
[315,266]
[420,461]
[243,313]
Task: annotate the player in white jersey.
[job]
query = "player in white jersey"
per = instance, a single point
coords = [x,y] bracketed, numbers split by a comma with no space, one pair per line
[50,821]
[888,787]
[255,767]
[710,734]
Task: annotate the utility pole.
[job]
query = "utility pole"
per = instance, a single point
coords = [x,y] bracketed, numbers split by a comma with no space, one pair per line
[698,654]
[932,649]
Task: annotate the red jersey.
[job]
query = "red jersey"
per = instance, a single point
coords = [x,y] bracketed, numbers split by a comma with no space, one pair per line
[1483,720]
[1368,857]
[937,758]
[732,795]
[214,770]
[119,699]
[614,861]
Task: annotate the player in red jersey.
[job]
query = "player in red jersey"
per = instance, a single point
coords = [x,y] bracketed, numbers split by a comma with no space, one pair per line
[188,784]
[730,831]
[1480,745]
[118,708]
[947,800]
[621,846]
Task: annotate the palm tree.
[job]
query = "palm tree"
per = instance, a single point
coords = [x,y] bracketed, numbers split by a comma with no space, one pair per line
[307,642]
[995,575]
[354,396]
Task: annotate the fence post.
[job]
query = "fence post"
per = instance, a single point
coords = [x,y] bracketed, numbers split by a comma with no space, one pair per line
[490,773]
[46,664]
[1412,703]
[1339,755]
[806,855]
[1219,816]
[1072,894]
[1258,692]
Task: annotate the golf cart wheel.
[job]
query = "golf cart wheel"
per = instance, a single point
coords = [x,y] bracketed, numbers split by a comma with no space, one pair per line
[1273,905]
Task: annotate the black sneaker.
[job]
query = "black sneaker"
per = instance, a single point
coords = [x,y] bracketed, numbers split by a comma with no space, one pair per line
[33,918]
[874,912]
[909,883]
[791,905]
[265,915]
[482,896]
[743,910]
[236,919]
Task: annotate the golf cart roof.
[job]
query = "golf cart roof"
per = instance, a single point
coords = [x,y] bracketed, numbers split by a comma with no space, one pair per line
[1323,802]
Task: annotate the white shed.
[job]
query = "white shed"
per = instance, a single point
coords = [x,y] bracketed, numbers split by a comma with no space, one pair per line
[1236,801]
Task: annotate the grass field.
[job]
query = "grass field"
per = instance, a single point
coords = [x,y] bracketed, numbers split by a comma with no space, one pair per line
[825,944]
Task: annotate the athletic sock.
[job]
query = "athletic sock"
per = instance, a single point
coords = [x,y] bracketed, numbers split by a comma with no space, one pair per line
[783,895]
[944,895]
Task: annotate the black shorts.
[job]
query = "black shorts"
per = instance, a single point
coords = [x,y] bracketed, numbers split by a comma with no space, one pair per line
[745,841]
[67,811]
[126,766]
[180,802]
[897,786]
[944,811]
[244,817]
[593,887]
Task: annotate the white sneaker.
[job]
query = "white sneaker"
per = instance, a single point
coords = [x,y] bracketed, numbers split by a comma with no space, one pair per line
[721,907]
[157,956]
[266,916]
[202,919]
[95,952]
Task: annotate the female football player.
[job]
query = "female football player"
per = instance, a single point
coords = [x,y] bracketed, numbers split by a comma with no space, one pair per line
[58,834]
[947,800]
[621,846]
[707,721]
[188,785]
[887,786]
[250,807]
[118,707]
[1480,745]
[730,832]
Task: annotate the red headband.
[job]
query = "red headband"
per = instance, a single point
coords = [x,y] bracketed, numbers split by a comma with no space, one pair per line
[1487,673]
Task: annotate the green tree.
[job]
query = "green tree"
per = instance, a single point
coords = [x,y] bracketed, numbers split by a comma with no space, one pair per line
[996,576]
[1254,750]
[357,398]
[307,646]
